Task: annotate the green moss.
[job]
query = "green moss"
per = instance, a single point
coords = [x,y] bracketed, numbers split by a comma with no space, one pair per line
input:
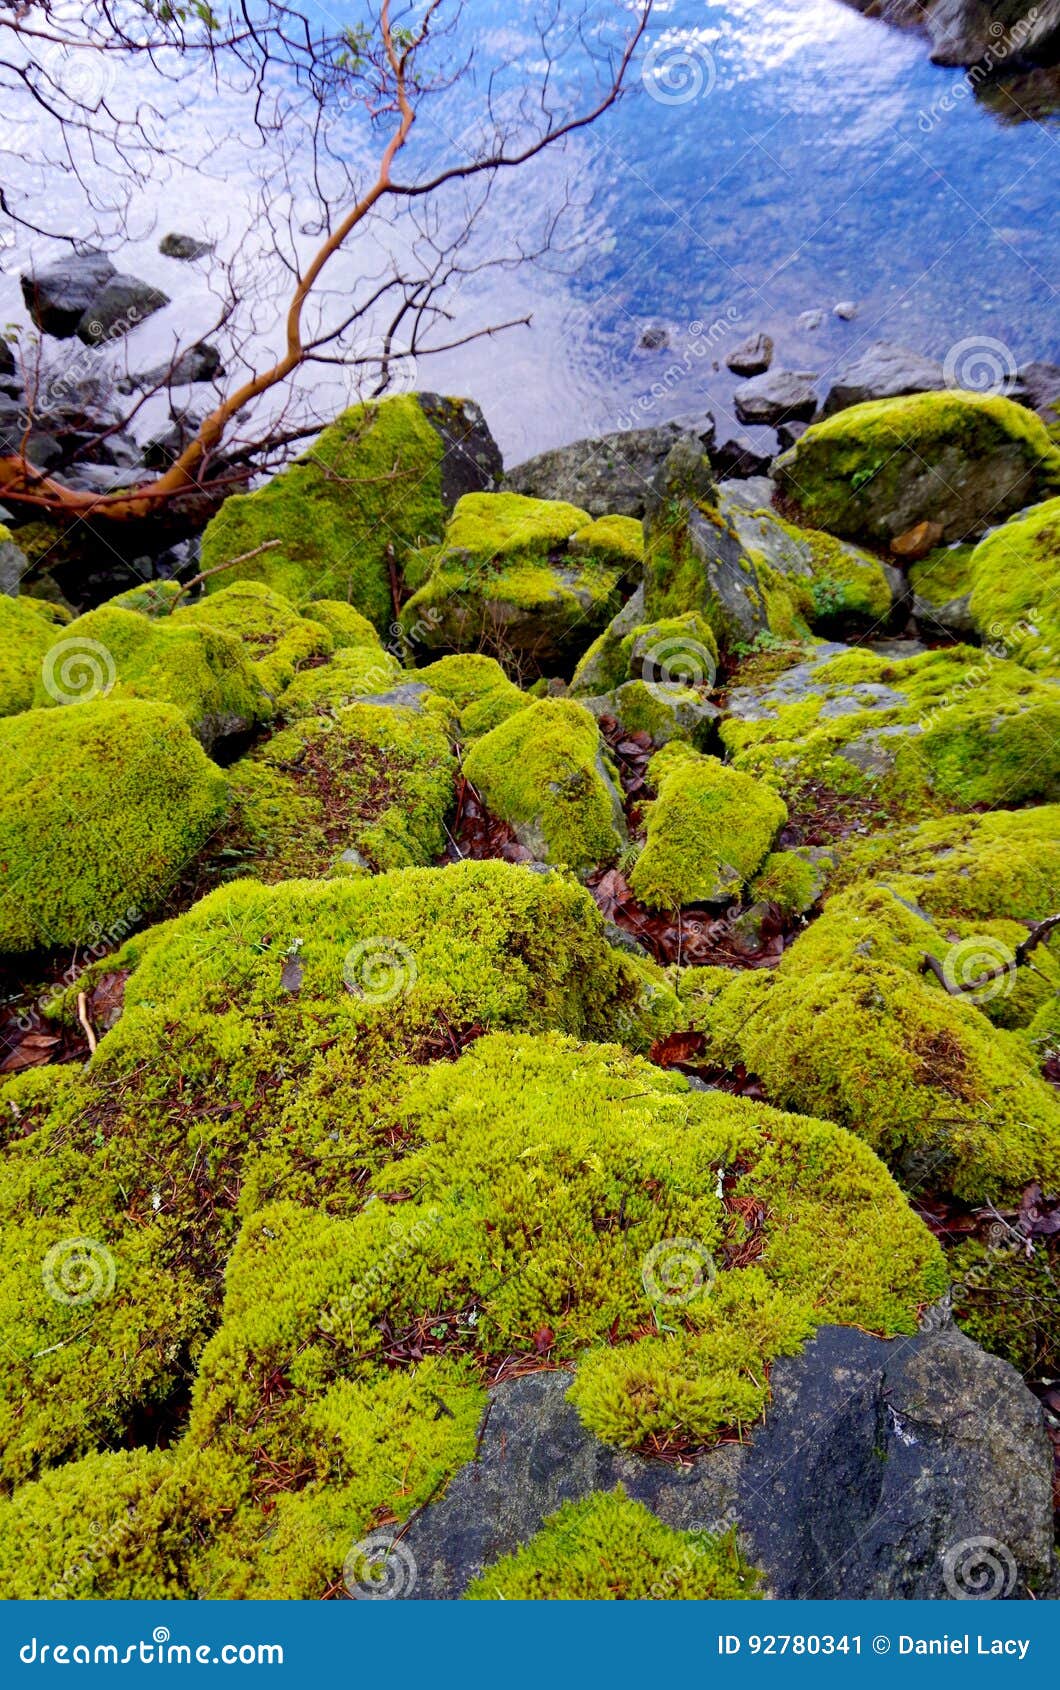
[125,655]
[369,486]
[28,630]
[509,581]
[607,1548]
[349,630]
[373,779]
[543,772]
[793,880]
[849,1028]
[663,711]
[1004,863]
[943,575]
[847,585]
[479,688]
[1009,1302]
[949,729]
[277,641]
[359,672]
[126,1526]
[708,830]
[610,538]
[1015,581]
[847,473]
[101,807]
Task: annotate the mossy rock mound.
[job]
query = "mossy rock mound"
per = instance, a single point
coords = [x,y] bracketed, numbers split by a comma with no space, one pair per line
[369,786]
[29,628]
[277,640]
[1015,588]
[530,581]
[708,830]
[544,772]
[1006,1295]
[546,1185]
[1005,863]
[960,460]
[258,1057]
[478,689]
[944,730]
[101,808]
[606,1548]
[372,488]
[198,667]
[850,1027]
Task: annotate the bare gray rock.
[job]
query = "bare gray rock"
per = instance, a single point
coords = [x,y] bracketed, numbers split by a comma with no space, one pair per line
[778,397]
[58,296]
[120,305]
[883,371]
[752,357]
[184,247]
[607,474]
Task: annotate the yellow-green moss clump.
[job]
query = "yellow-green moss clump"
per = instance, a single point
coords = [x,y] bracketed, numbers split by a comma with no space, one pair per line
[609,1549]
[369,488]
[1003,863]
[510,579]
[952,729]
[1015,599]
[276,640]
[793,880]
[479,690]
[101,807]
[28,630]
[850,1028]
[708,830]
[201,669]
[874,470]
[543,771]
[257,1059]
[1009,1302]
[371,785]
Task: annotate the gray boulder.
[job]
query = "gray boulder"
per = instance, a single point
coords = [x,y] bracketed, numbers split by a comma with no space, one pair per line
[682,522]
[883,371]
[963,31]
[777,397]
[1038,387]
[916,1468]
[607,474]
[117,307]
[13,566]
[471,461]
[200,362]
[58,296]
[184,247]
[752,357]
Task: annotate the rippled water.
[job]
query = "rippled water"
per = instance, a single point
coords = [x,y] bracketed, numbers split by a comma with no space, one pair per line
[810,156]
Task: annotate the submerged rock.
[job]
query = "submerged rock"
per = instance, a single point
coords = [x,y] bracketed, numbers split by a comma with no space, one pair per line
[779,397]
[752,357]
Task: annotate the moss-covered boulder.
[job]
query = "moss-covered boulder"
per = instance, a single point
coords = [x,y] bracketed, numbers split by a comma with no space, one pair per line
[544,772]
[277,641]
[1015,588]
[609,1549]
[849,1027]
[29,628]
[708,830]
[101,807]
[944,730]
[531,581]
[941,584]
[199,667]
[793,880]
[478,689]
[960,460]
[373,487]
[369,786]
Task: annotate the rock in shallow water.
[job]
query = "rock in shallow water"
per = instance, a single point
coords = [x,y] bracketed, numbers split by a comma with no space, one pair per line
[885,1469]
[607,474]
[781,396]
